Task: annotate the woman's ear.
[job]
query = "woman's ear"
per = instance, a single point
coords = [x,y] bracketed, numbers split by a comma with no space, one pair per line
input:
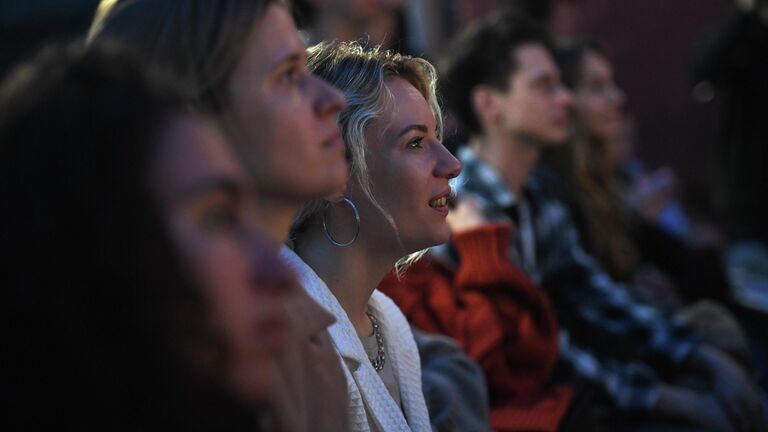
[483,103]
[338,196]
[335,198]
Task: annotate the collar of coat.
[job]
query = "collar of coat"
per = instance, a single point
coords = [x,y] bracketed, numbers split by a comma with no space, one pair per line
[366,389]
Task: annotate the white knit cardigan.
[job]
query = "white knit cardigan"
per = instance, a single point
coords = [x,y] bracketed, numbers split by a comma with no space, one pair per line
[365,388]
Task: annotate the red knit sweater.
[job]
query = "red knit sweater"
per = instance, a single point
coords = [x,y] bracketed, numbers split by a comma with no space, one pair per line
[499,317]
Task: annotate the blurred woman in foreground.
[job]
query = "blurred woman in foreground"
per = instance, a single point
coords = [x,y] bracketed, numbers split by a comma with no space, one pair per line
[136,291]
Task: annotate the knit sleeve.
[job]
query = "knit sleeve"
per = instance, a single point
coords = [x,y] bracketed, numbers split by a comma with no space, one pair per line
[486,270]
[496,314]
[483,256]
[511,323]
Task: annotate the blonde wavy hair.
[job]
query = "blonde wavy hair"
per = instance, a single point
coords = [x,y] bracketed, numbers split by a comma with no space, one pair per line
[362,73]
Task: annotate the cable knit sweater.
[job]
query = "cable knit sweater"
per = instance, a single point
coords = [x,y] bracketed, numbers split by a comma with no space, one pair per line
[499,317]
[367,392]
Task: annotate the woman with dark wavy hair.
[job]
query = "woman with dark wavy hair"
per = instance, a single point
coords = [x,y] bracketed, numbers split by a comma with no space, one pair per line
[136,291]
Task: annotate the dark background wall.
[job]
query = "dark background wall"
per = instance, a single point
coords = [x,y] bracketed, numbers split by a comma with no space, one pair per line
[25,25]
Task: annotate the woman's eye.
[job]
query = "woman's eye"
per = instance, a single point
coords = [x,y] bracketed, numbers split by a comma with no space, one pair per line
[220,218]
[597,87]
[416,143]
[547,85]
[290,75]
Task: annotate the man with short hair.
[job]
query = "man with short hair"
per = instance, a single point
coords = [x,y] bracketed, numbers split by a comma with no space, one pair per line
[503,85]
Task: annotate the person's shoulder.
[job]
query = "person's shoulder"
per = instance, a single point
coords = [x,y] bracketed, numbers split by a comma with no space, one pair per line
[388,311]
[384,303]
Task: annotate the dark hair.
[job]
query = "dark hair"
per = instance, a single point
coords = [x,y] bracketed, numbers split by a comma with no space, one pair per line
[569,56]
[96,308]
[485,54]
[589,171]
[199,41]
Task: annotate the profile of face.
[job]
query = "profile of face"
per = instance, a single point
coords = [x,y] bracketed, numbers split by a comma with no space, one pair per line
[207,200]
[598,101]
[409,169]
[535,104]
[285,117]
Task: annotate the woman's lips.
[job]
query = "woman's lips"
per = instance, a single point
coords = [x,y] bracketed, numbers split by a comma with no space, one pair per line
[440,204]
[334,142]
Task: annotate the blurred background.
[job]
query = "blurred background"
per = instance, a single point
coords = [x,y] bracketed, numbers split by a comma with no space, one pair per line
[654,45]
[693,72]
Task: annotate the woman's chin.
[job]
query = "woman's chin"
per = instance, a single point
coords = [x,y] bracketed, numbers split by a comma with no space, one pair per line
[436,237]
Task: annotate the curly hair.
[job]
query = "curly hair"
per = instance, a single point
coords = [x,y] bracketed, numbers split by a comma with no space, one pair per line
[361,73]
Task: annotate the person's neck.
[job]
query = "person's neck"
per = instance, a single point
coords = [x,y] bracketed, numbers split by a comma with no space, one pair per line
[351,273]
[513,157]
[275,217]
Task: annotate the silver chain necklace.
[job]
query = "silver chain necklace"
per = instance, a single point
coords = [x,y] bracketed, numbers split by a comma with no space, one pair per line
[378,362]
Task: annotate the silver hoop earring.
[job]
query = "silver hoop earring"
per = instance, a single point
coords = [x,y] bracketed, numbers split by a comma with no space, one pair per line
[357,229]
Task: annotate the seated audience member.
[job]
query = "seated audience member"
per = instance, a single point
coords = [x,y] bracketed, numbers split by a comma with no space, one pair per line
[511,106]
[627,243]
[137,291]
[243,61]
[393,205]
[663,269]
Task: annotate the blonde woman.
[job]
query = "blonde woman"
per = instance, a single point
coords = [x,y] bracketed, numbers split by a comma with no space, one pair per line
[393,205]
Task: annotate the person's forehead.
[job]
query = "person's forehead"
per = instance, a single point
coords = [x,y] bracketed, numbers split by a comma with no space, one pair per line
[274,38]
[409,103]
[196,140]
[406,107]
[193,151]
[534,59]
[403,88]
